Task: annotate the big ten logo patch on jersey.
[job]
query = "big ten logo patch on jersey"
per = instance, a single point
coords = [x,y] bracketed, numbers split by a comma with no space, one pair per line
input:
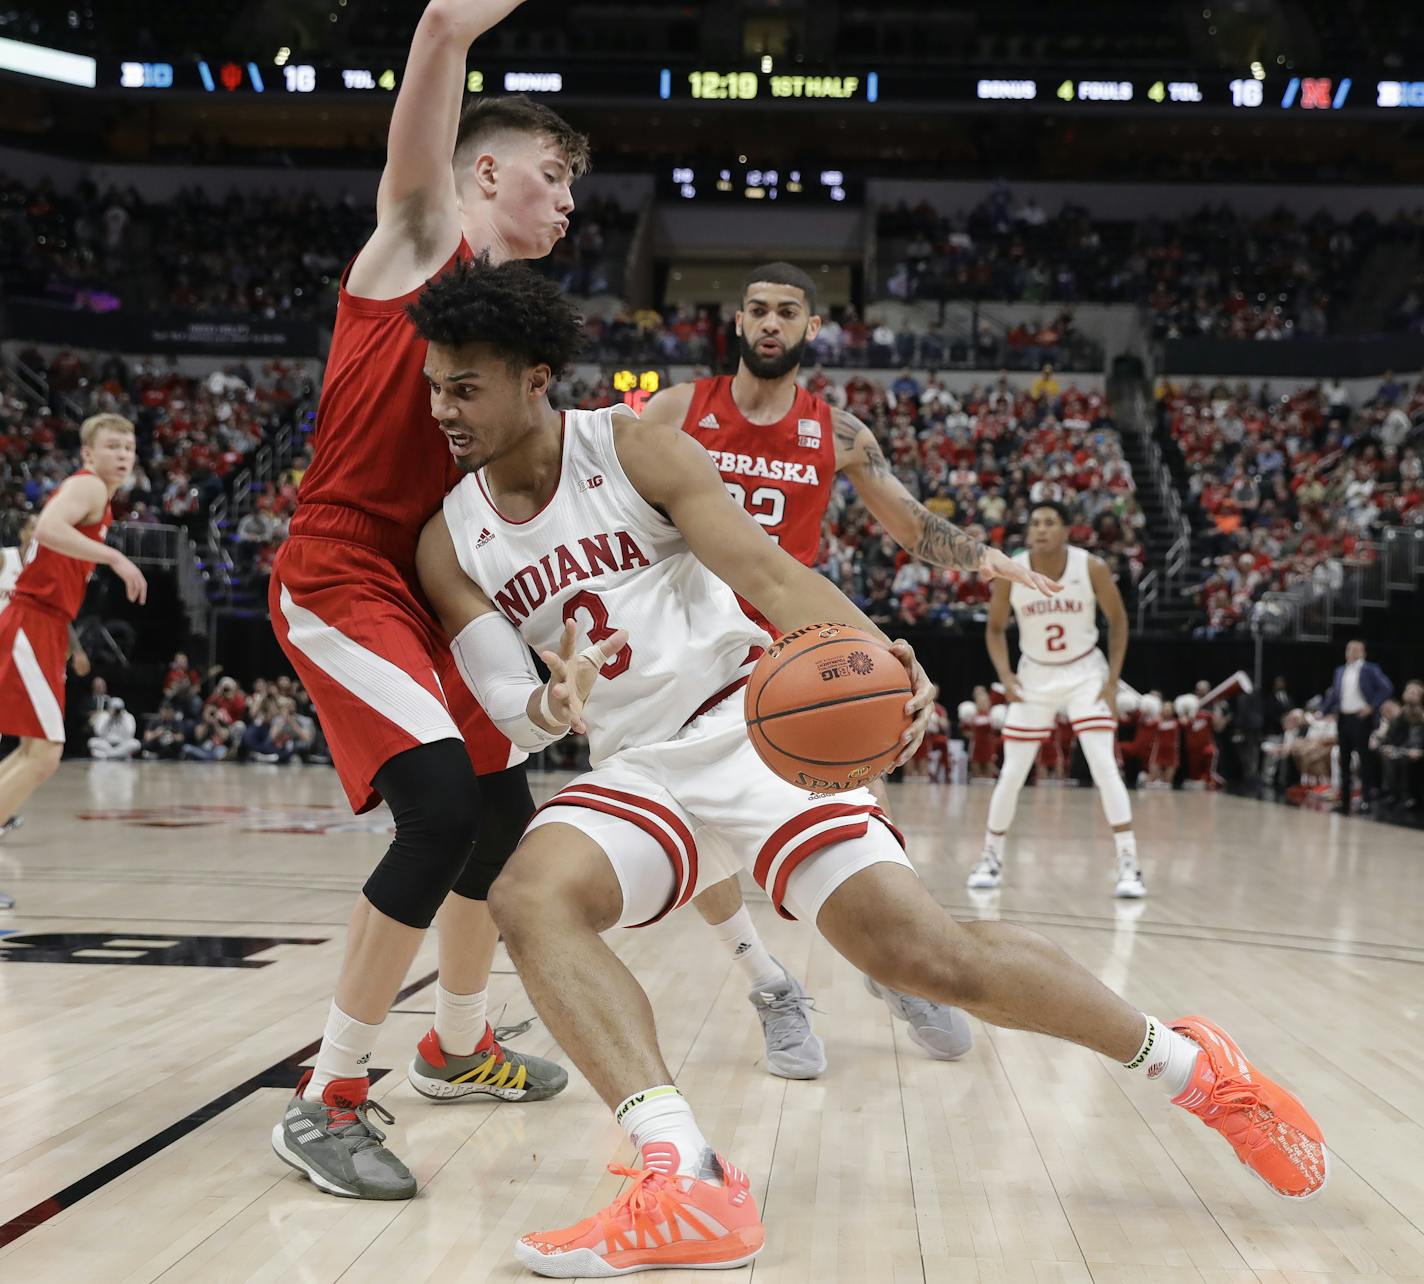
[594,482]
[808,433]
[145,949]
[857,663]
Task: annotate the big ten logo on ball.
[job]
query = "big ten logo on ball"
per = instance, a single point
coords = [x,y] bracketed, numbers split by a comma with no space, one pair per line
[857,663]
[785,640]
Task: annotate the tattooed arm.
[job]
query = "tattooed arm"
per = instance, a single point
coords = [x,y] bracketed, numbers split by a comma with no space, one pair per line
[908,522]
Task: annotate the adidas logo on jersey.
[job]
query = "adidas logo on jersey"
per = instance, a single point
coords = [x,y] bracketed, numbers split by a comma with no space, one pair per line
[485,536]
[708,421]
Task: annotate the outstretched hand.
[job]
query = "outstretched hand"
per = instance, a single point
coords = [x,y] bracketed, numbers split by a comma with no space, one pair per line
[995,565]
[573,673]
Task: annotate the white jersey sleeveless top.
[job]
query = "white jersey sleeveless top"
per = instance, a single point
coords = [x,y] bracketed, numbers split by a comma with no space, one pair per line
[1061,628]
[600,554]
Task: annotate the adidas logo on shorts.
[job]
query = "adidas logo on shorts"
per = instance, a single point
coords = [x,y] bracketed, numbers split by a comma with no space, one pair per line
[708,421]
[485,536]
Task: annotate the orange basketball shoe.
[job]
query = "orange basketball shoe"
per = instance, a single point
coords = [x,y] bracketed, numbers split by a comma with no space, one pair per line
[1268,1128]
[660,1222]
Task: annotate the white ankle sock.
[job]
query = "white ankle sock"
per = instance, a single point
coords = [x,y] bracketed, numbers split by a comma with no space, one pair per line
[656,1118]
[345,1051]
[1165,1055]
[1125,841]
[460,1020]
[994,845]
[739,935]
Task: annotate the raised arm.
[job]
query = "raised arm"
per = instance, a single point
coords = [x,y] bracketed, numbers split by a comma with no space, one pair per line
[1110,601]
[417,213]
[908,522]
[81,501]
[674,474]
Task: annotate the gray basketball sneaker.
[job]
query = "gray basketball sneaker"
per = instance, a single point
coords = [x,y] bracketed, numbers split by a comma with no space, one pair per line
[793,1049]
[336,1145]
[939,1029]
[491,1070]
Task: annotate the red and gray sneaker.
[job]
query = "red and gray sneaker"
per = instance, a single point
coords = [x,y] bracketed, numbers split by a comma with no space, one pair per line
[491,1070]
[334,1142]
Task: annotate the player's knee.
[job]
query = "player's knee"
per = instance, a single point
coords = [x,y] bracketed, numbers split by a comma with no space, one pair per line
[432,795]
[505,809]
[546,889]
[43,757]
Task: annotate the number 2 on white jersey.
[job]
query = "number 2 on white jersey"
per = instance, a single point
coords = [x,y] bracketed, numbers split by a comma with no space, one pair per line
[767,505]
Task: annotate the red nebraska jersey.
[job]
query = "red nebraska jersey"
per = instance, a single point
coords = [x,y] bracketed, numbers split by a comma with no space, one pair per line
[376,448]
[53,582]
[780,473]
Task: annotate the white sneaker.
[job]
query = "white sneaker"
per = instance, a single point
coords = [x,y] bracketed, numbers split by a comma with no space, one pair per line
[987,874]
[1130,886]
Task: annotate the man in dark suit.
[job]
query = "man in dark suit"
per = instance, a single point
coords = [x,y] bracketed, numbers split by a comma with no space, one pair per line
[1354,697]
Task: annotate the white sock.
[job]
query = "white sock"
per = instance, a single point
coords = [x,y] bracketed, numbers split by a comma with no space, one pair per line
[459,1020]
[1125,841]
[659,1122]
[994,845]
[1165,1055]
[345,1051]
[740,936]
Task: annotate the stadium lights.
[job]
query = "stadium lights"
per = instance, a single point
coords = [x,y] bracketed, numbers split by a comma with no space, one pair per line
[48,64]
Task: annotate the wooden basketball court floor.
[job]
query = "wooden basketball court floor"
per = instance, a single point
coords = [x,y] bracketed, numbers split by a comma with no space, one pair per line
[183,925]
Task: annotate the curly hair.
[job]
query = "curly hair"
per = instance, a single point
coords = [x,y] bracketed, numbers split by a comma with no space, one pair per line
[509,307]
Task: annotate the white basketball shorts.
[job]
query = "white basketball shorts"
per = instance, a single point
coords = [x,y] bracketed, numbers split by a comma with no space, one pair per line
[1050,689]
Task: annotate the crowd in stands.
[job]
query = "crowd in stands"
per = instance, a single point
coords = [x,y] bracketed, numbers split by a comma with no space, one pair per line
[255,255]
[1287,486]
[210,718]
[1216,273]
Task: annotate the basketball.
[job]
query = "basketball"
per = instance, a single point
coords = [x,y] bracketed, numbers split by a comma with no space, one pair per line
[826,708]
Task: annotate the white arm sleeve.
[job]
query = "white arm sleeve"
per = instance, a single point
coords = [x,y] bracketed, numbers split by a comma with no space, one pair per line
[496,665]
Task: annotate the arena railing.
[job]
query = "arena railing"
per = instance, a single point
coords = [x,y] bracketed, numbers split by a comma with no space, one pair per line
[169,548]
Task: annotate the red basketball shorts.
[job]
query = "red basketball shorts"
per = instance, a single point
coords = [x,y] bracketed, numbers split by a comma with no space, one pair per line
[375,664]
[34,646]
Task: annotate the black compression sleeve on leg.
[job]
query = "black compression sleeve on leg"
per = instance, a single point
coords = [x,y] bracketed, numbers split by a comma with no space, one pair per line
[432,793]
[505,808]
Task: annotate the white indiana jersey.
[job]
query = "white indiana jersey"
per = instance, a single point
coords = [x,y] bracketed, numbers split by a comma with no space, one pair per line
[12,562]
[601,555]
[1061,628]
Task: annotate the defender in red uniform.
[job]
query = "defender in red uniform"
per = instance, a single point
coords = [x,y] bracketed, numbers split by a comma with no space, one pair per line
[35,628]
[778,448]
[402,725]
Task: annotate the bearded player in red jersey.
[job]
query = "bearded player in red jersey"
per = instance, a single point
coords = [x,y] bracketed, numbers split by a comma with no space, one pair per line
[494,179]
[779,448]
[35,628]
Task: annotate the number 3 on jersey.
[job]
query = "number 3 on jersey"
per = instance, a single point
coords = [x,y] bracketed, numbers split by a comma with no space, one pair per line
[599,629]
[767,505]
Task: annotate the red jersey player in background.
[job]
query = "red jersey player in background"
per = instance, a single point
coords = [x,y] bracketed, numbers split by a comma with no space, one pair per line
[35,627]
[493,179]
[778,448]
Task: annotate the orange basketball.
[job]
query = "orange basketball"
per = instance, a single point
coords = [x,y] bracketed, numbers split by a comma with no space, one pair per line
[826,707]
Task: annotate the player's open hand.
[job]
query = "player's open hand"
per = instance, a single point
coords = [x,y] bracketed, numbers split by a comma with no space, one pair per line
[572,674]
[920,705]
[995,565]
[1108,695]
[79,662]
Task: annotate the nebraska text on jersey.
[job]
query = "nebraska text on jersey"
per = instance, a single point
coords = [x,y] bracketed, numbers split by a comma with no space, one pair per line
[526,590]
[773,469]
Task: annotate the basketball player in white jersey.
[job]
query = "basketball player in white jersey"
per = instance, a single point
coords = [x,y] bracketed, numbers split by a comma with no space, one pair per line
[591,523]
[1061,671]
